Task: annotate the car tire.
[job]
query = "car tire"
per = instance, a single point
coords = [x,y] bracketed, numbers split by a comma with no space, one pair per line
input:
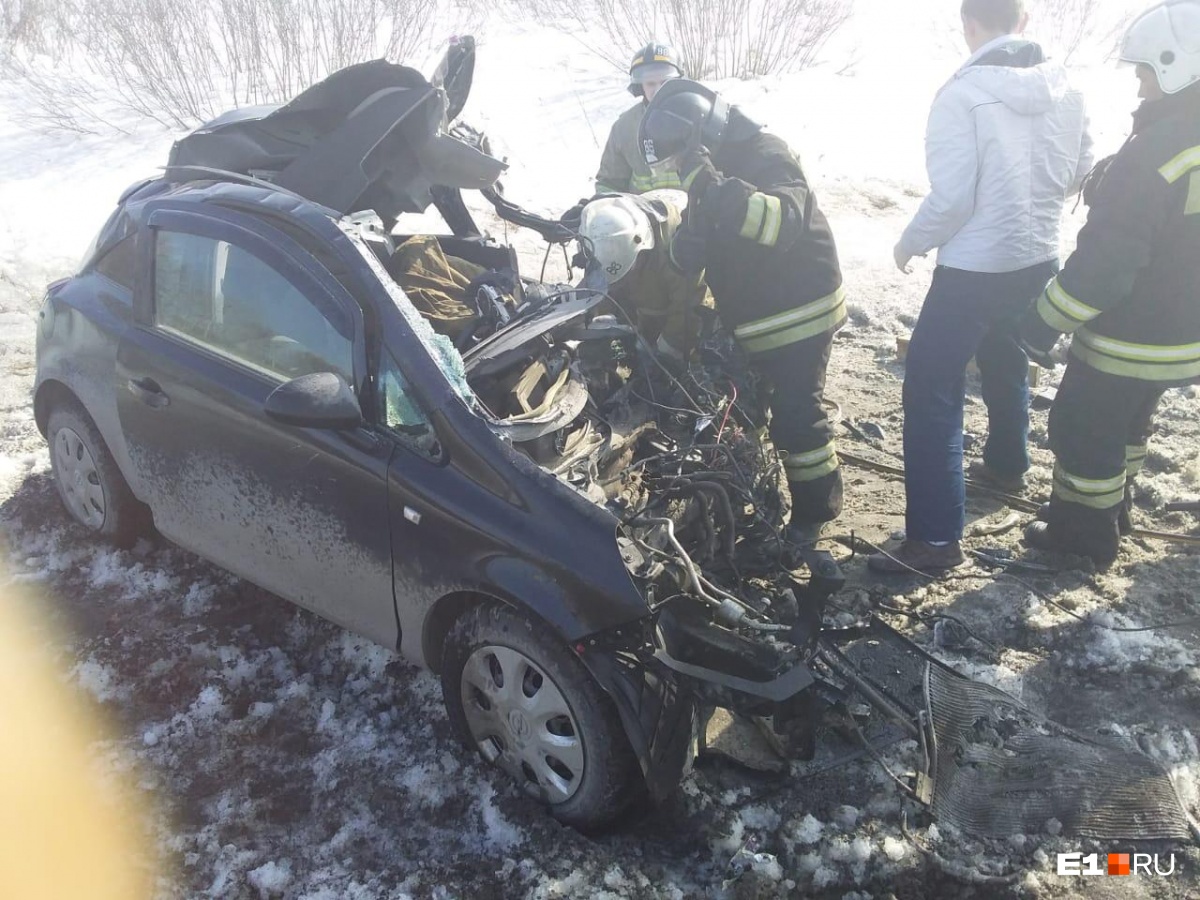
[88,480]
[560,737]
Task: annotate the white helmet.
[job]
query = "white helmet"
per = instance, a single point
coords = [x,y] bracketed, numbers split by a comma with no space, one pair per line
[613,231]
[1166,38]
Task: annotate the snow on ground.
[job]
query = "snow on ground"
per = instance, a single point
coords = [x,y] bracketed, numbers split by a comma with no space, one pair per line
[286,758]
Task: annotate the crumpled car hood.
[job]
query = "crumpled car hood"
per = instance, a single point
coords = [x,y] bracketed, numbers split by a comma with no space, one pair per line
[370,136]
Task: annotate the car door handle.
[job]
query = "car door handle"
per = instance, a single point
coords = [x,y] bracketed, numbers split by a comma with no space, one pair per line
[148,391]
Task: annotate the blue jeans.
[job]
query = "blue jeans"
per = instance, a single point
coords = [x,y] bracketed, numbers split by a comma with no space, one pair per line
[966,314]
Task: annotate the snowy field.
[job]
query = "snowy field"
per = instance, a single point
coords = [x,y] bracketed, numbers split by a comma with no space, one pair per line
[278,756]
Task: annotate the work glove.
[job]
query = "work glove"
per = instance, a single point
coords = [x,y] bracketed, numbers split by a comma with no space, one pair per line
[573,216]
[1037,338]
[1046,359]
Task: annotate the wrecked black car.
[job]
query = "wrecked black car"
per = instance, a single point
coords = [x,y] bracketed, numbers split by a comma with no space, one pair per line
[584,544]
[495,476]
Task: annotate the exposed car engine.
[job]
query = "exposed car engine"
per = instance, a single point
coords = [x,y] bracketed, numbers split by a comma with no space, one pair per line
[678,454]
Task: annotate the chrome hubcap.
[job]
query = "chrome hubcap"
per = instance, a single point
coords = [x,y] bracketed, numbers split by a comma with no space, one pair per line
[521,722]
[77,475]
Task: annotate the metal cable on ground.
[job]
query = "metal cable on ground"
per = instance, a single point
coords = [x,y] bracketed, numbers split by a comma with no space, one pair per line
[934,616]
[1012,500]
[1195,620]
[1042,595]
[917,615]
[880,761]
[954,869]
[1018,503]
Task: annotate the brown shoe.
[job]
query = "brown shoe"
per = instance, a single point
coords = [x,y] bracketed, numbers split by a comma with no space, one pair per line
[917,555]
[981,473]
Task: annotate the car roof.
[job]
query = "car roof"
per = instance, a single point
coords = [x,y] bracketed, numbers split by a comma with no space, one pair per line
[257,199]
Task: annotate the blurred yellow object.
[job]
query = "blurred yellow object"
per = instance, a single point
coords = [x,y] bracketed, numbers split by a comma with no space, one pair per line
[67,830]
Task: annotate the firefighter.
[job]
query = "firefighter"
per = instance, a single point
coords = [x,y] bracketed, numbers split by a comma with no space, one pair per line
[623,170]
[629,238]
[622,167]
[1129,295]
[753,226]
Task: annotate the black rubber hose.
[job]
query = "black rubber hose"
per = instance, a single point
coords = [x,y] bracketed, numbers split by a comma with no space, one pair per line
[717,491]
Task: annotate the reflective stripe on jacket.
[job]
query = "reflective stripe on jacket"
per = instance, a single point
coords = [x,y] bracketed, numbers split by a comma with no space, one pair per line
[771,260]
[1130,293]
[821,316]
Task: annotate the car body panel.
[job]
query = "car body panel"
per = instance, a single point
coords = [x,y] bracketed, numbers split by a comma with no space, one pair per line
[374,533]
[301,512]
[491,526]
[82,320]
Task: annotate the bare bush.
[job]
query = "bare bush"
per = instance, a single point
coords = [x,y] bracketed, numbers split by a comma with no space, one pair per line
[1074,28]
[182,61]
[35,24]
[714,38]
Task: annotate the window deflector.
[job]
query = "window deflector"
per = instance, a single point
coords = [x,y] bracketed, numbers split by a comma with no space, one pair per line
[280,252]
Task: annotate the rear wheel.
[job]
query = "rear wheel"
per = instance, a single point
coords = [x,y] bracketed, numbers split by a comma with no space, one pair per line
[519,696]
[91,486]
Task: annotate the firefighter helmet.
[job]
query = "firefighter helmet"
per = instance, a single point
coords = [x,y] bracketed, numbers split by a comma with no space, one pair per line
[1166,38]
[613,231]
[654,62]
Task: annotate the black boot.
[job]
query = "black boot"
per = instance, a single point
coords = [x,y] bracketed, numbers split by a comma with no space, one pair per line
[1100,547]
[1124,516]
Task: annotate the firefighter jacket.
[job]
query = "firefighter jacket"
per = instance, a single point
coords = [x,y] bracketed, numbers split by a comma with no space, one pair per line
[1130,293]
[769,254]
[663,301]
[623,169]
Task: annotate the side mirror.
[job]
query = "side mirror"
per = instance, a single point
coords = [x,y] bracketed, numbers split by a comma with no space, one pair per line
[319,400]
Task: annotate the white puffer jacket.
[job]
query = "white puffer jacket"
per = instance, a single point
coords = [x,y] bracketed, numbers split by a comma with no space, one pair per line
[1004,148]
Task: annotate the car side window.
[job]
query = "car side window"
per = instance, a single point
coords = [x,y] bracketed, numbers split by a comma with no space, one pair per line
[400,412]
[120,263]
[225,298]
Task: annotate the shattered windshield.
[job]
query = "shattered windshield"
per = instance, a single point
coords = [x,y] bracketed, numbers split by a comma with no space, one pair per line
[440,347]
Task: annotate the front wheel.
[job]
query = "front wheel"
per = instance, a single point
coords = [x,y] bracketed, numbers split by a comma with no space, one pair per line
[519,696]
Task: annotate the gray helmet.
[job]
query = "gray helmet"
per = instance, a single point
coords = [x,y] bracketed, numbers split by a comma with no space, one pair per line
[652,61]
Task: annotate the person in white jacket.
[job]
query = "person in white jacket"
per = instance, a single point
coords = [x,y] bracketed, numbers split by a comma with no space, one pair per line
[1007,142]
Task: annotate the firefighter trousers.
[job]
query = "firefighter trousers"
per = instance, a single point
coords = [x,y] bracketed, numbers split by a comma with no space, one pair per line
[800,426]
[1099,428]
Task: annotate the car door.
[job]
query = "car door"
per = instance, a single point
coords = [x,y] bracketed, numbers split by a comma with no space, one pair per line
[230,309]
